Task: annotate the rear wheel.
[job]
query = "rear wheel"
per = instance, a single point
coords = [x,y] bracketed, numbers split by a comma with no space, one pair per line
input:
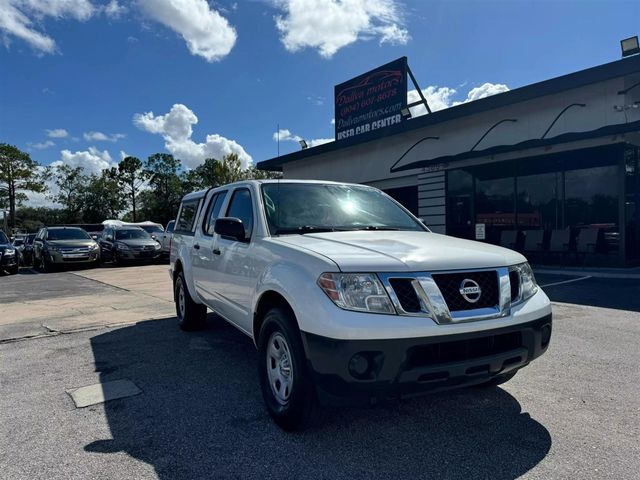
[287,388]
[191,315]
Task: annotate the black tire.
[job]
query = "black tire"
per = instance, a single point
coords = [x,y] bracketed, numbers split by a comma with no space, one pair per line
[295,411]
[14,270]
[45,265]
[191,315]
[498,380]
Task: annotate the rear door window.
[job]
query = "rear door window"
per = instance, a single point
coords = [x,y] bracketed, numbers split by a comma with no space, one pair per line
[187,217]
[215,205]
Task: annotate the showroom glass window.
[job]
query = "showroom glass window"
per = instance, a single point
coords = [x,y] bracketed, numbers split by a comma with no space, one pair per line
[495,199]
[460,203]
[539,186]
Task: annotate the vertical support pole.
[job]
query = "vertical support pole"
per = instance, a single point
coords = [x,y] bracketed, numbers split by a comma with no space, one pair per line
[622,221]
[415,84]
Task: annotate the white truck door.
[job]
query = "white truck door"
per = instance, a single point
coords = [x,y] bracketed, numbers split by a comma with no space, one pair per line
[204,260]
[237,267]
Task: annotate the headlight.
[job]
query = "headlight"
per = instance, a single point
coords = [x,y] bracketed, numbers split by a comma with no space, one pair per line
[9,252]
[157,246]
[528,285]
[356,291]
[93,246]
[122,246]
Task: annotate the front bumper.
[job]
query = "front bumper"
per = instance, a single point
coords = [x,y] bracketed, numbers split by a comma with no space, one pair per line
[8,261]
[139,255]
[406,366]
[60,258]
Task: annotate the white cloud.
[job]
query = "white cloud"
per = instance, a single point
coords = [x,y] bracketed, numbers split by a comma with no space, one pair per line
[91,160]
[22,19]
[439,98]
[486,90]
[56,132]
[176,127]
[123,155]
[114,10]
[285,135]
[102,137]
[43,145]
[206,32]
[329,25]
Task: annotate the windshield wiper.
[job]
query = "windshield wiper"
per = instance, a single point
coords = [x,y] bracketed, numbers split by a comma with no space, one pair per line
[375,227]
[304,229]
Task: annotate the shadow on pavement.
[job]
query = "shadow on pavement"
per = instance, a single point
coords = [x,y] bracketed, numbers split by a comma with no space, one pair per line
[201,416]
[616,293]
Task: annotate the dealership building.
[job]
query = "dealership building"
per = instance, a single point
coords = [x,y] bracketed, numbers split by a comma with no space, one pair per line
[551,169]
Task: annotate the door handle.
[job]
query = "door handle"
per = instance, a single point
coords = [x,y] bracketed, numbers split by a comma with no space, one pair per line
[216,251]
[196,246]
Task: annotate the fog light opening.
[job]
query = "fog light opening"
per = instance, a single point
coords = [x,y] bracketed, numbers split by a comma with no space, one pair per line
[359,366]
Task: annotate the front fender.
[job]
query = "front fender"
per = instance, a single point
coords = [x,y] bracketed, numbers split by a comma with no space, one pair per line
[295,283]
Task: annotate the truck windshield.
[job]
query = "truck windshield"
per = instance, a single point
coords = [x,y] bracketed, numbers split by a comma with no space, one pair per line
[310,207]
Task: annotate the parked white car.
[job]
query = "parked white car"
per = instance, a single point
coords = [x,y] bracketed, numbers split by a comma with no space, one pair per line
[344,291]
[165,240]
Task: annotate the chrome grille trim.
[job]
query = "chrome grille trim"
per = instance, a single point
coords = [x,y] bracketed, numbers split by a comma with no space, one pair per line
[433,304]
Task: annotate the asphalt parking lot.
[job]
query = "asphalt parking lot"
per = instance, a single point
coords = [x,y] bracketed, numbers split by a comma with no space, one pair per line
[574,413]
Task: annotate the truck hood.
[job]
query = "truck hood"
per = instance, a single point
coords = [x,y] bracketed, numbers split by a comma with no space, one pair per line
[401,251]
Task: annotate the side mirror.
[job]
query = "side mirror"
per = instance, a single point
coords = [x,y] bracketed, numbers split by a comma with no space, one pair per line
[230,228]
[154,237]
[109,238]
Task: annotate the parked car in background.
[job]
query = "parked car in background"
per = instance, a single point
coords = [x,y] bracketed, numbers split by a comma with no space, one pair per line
[166,238]
[128,243]
[9,256]
[27,251]
[155,230]
[18,244]
[56,246]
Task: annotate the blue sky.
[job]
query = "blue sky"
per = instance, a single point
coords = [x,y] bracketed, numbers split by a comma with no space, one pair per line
[242,68]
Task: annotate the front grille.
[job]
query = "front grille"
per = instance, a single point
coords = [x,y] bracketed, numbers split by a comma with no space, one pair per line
[74,250]
[514,278]
[450,283]
[406,294]
[462,350]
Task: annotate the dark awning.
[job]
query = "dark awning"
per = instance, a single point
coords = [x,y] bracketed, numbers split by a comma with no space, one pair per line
[533,143]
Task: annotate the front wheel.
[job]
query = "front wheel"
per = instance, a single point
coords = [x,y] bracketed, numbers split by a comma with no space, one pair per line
[191,315]
[286,386]
[45,265]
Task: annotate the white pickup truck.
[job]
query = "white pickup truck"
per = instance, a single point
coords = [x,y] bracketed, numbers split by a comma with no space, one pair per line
[343,291]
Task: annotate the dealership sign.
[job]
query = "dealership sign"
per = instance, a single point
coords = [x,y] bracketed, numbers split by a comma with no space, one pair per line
[371,101]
